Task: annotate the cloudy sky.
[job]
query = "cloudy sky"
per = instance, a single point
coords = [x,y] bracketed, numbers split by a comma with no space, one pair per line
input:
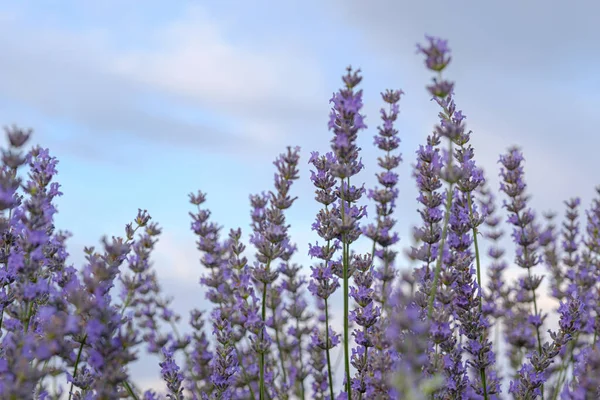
[146,101]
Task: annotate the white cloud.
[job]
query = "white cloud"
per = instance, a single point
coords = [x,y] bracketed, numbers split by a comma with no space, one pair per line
[193,57]
[86,78]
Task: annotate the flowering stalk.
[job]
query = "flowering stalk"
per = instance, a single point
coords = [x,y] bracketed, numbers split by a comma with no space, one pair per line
[172,376]
[247,306]
[365,315]
[591,256]
[467,304]
[323,284]
[586,376]
[533,375]
[322,342]
[271,241]
[427,174]
[385,197]
[214,252]
[297,310]
[224,365]
[525,233]
[437,59]
[346,121]
[408,331]
[496,298]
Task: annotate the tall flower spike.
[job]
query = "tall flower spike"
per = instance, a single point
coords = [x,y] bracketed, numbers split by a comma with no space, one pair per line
[408,332]
[225,364]
[346,121]
[297,309]
[381,232]
[365,315]
[467,304]
[534,374]
[450,127]
[172,376]
[525,233]
[323,283]
[214,251]
[271,240]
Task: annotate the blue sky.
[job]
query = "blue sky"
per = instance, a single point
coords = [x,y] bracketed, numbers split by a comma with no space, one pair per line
[146,101]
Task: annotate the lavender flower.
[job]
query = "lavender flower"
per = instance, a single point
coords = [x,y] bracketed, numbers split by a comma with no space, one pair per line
[323,283]
[214,251]
[533,375]
[172,376]
[297,310]
[525,233]
[224,365]
[346,121]
[428,336]
[381,232]
[467,304]
[365,315]
[271,241]
[586,376]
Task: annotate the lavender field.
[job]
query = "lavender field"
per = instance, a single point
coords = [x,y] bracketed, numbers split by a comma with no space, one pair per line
[312,200]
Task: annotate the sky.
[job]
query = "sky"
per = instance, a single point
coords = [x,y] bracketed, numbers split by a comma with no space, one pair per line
[146,101]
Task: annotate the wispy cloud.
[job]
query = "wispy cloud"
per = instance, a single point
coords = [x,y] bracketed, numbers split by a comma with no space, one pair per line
[85,77]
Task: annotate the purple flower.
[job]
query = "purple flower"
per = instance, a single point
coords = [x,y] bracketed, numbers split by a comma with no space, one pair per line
[169,370]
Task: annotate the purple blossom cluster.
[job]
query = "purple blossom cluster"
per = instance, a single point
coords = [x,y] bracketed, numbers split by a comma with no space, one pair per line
[452,327]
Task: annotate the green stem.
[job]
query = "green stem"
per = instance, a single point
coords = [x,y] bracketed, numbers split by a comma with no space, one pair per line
[346,324]
[535,309]
[130,390]
[345,262]
[244,372]
[300,358]
[29,307]
[564,366]
[77,364]
[477,257]
[360,395]
[327,351]
[279,348]
[479,283]
[262,337]
[438,264]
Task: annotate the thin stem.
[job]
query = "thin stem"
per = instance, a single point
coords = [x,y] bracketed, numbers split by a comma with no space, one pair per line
[300,358]
[535,309]
[262,337]
[564,366]
[438,265]
[478,264]
[383,295]
[244,372]
[362,376]
[77,364]
[345,262]
[327,351]
[130,390]
[279,349]
[6,248]
[29,315]
[476,245]
[346,323]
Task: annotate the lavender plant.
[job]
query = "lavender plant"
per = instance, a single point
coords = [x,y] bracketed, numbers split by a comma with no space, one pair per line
[428,332]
